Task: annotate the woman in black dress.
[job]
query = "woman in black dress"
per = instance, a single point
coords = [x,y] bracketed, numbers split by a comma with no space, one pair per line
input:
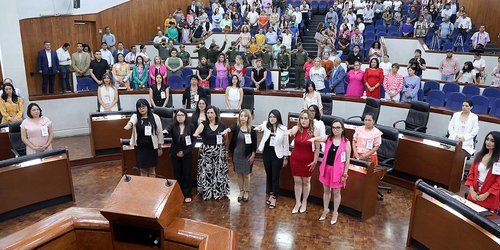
[199,113]
[213,172]
[159,93]
[258,76]
[181,152]
[204,73]
[147,137]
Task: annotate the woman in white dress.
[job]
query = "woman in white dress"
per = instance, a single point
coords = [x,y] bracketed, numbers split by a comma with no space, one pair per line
[234,94]
[107,95]
[317,75]
[464,126]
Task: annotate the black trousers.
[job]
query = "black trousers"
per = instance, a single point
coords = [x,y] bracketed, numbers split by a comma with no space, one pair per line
[272,165]
[183,169]
[48,83]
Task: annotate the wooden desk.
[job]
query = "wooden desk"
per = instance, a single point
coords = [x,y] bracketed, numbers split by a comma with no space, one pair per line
[106,132]
[5,152]
[359,196]
[164,167]
[428,160]
[86,228]
[437,226]
[35,184]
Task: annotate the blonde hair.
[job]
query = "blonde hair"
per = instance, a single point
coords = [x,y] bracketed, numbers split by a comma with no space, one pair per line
[310,129]
[249,121]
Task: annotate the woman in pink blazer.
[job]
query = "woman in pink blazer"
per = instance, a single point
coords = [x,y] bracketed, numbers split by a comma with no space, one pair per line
[157,68]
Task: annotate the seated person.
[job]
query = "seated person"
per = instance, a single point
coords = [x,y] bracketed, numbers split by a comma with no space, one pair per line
[11,106]
[16,90]
[484,186]
[366,140]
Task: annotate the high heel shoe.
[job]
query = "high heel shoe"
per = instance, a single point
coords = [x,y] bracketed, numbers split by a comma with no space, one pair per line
[268,201]
[245,196]
[272,203]
[296,208]
[335,216]
[303,208]
[324,214]
[240,197]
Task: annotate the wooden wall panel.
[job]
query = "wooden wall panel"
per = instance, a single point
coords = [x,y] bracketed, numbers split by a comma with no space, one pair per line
[485,12]
[132,22]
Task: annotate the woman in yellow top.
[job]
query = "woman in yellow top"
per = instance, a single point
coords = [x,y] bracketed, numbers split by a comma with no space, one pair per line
[253,46]
[121,72]
[168,20]
[11,106]
[260,38]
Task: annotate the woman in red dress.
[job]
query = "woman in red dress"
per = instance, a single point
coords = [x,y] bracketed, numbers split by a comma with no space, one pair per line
[484,185]
[374,76]
[303,159]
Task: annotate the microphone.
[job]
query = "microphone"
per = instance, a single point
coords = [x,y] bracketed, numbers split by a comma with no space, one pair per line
[168,183]
[127,177]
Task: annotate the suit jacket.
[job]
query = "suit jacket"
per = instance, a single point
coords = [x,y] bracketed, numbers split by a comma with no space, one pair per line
[43,64]
[338,80]
[197,9]
[83,64]
[282,146]
[115,54]
[178,140]
[491,184]
[249,148]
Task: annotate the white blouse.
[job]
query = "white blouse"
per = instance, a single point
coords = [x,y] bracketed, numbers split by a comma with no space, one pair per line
[316,100]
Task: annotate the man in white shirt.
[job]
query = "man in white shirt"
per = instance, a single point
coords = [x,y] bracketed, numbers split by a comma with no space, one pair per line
[130,57]
[446,12]
[397,4]
[464,25]
[64,63]
[253,17]
[387,4]
[351,17]
[159,36]
[106,54]
[298,16]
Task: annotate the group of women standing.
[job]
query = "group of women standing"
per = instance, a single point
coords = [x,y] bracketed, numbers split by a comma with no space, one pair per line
[369,82]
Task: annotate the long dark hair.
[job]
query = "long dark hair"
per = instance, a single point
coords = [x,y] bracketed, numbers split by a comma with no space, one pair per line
[343,129]
[307,87]
[279,121]
[196,114]
[317,114]
[484,150]
[181,110]
[151,119]
[470,67]
[4,93]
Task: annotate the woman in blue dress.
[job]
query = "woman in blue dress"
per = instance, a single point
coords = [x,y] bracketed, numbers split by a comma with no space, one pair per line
[411,85]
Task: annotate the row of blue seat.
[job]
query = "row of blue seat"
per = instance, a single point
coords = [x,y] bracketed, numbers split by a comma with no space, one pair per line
[454,100]
[491,93]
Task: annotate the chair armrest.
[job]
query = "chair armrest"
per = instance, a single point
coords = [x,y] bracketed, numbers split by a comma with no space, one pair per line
[16,154]
[420,127]
[357,116]
[394,125]
[388,163]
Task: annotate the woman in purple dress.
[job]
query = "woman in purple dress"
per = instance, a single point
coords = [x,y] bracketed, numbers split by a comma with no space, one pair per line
[222,69]
[355,86]
[411,85]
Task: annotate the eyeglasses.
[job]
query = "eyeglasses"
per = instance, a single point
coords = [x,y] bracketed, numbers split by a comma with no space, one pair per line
[336,128]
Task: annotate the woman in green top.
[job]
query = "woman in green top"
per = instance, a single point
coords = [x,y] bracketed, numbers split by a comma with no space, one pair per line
[173,33]
[174,64]
[140,73]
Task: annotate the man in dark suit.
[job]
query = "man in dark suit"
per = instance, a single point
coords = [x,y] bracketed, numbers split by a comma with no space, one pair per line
[48,66]
[193,7]
[120,49]
[338,81]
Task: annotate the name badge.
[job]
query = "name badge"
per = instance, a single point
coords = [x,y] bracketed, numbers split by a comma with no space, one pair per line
[248,139]
[45,130]
[196,98]
[219,139]
[188,140]
[147,130]
[343,157]
[272,141]
[107,99]
[163,96]
[369,144]
[496,168]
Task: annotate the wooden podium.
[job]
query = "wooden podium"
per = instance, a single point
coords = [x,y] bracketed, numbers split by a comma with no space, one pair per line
[139,209]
